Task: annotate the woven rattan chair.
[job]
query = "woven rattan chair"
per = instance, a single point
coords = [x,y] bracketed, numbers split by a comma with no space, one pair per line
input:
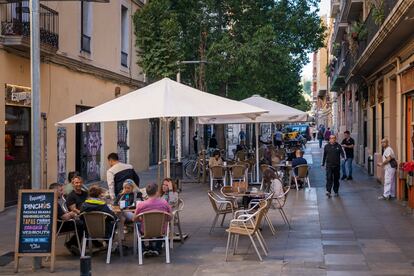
[248,225]
[176,221]
[254,203]
[238,173]
[279,202]
[221,206]
[217,173]
[154,227]
[302,173]
[95,223]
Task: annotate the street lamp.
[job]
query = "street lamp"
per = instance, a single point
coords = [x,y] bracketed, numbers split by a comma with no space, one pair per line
[178,149]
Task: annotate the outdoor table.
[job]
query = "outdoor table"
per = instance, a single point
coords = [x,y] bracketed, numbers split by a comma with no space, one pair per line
[247,196]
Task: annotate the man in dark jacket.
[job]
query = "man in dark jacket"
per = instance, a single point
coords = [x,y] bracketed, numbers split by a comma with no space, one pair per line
[117,174]
[332,159]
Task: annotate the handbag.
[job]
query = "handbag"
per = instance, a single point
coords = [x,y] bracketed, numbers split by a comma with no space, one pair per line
[393,163]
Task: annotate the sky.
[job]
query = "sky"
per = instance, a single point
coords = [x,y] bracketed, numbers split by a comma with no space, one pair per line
[307,69]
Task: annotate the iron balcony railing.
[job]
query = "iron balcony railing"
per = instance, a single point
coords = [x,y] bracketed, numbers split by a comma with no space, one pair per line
[372,27]
[15,21]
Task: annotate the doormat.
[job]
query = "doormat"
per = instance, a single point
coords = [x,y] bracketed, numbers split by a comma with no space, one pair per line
[6,258]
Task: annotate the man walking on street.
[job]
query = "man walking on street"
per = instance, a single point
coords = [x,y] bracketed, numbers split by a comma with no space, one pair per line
[389,175]
[348,145]
[332,154]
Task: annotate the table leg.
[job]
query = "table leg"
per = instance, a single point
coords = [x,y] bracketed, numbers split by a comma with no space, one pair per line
[135,241]
[120,234]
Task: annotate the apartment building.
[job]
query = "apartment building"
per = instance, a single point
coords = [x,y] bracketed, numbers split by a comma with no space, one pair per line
[87,58]
[372,70]
[322,104]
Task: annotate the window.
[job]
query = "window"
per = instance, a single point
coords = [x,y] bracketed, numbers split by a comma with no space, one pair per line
[86,26]
[124,36]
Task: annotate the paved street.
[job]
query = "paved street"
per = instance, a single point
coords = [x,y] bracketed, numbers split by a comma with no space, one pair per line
[354,234]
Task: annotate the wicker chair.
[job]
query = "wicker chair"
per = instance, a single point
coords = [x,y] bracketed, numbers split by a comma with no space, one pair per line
[302,173]
[279,202]
[221,206]
[248,225]
[217,173]
[155,228]
[238,173]
[96,229]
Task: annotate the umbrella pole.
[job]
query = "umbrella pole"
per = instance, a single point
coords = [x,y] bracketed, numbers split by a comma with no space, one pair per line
[167,143]
[159,151]
[257,152]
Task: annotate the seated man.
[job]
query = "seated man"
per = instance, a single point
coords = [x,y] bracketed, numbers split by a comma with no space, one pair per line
[299,160]
[153,203]
[75,198]
[65,215]
[95,203]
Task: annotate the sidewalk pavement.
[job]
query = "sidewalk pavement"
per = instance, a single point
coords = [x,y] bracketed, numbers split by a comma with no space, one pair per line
[354,234]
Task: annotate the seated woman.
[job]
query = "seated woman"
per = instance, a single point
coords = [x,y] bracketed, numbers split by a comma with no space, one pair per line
[95,203]
[215,160]
[271,182]
[129,194]
[168,191]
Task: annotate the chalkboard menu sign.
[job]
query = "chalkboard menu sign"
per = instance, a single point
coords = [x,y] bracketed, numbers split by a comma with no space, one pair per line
[36,224]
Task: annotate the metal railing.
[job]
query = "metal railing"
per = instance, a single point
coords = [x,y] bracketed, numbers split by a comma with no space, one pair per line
[15,21]
[372,27]
[124,59]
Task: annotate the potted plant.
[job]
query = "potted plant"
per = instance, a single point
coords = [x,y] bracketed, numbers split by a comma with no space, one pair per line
[409,168]
[358,31]
[336,47]
[402,174]
[378,13]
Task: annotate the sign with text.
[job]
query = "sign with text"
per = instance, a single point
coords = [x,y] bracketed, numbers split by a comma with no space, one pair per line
[36,224]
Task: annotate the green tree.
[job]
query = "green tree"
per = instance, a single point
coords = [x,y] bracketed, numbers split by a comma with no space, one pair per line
[252,46]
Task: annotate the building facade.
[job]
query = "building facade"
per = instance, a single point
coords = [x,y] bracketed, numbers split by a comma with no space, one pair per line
[372,71]
[87,58]
[322,105]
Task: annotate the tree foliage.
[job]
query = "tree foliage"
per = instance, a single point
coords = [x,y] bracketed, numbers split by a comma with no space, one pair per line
[252,46]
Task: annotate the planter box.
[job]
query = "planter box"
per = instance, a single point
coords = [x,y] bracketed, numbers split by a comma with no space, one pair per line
[402,174]
[401,186]
[411,197]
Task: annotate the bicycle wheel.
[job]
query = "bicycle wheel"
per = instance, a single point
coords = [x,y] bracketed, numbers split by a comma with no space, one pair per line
[189,169]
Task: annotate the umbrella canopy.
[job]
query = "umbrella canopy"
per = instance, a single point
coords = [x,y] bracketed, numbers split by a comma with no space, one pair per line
[278,113]
[165,99]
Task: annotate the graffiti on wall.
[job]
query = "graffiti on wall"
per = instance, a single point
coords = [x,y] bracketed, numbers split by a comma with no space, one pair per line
[91,155]
[61,154]
[122,141]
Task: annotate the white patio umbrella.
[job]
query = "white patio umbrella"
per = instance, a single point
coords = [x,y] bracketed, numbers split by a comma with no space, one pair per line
[278,113]
[164,99]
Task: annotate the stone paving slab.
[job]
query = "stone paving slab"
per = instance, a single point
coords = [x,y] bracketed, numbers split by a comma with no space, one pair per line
[354,234]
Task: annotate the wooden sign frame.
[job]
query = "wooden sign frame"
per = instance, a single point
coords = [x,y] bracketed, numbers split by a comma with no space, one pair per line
[51,254]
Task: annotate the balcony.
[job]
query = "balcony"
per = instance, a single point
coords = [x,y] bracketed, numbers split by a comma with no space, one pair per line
[339,30]
[340,68]
[351,10]
[335,6]
[372,27]
[15,26]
